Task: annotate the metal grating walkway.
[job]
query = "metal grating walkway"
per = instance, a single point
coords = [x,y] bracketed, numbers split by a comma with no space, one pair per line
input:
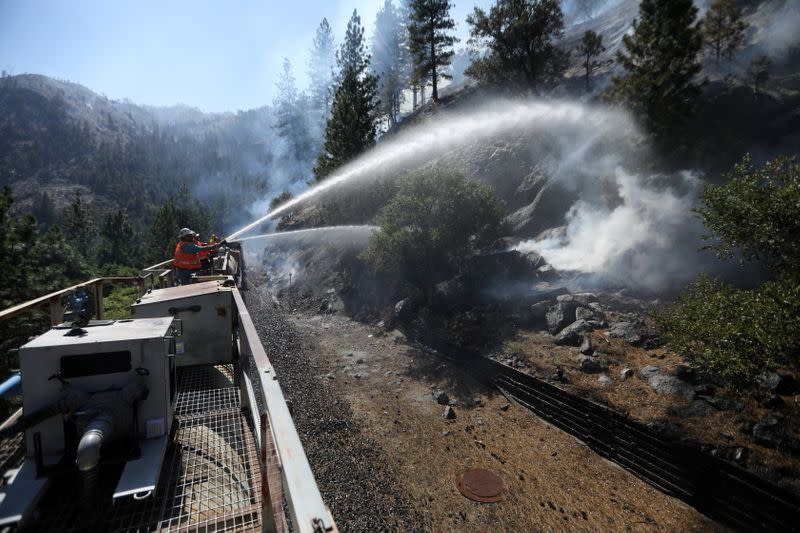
[210,480]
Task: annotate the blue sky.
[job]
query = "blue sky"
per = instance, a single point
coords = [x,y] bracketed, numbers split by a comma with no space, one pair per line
[214,55]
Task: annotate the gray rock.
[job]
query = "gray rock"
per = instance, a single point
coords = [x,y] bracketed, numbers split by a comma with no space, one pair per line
[627,331]
[403,309]
[591,365]
[449,413]
[560,316]
[605,381]
[586,347]
[626,373]
[694,409]
[776,383]
[670,385]
[505,406]
[649,371]
[585,298]
[452,403]
[596,307]
[546,272]
[740,455]
[583,313]
[330,376]
[572,335]
[564,298]
[441,397]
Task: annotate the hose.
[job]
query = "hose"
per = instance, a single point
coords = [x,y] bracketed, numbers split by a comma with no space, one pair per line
[70,401]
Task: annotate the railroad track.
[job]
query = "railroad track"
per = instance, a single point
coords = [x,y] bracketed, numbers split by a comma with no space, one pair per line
[717,488]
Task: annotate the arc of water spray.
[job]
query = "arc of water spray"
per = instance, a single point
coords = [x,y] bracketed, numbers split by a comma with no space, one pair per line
[419,144]
[311,231]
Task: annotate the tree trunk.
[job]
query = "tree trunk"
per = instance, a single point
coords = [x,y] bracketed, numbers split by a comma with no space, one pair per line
[434,92]
[587,72]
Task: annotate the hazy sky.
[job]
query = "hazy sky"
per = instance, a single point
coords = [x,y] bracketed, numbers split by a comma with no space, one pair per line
[215,55]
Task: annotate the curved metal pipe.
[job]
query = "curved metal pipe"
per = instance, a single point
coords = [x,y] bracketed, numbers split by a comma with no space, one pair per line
[88,455]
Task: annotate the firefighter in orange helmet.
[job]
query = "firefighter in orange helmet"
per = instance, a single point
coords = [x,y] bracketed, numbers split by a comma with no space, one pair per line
[187,256]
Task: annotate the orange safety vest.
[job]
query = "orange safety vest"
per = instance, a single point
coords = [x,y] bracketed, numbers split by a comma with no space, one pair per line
[205,254]
[185,260]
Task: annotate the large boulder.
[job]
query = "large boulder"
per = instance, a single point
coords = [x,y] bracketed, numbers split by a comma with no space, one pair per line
[572,335]
[666,384]
[771,431]
[560,316]
[589,314]
[631,332]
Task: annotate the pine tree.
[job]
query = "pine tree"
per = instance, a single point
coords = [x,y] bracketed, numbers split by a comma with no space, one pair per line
[518,36]
[351,128]
[80,225]
[660,63]
[290,119]
[409,78]
[591,46]
[723,28]
[118,243]
[352,54]
[320,73]
[430,41]
[388,58]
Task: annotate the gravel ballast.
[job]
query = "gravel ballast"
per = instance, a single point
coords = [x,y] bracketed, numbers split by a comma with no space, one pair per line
[351,469]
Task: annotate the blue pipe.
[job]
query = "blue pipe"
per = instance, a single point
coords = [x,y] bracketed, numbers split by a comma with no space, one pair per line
[11,385]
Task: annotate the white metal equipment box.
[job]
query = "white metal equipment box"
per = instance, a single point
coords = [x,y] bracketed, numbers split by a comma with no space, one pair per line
[106,356]
[205,309]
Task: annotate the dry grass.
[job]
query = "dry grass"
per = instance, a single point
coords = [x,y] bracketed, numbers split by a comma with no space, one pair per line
[553,482]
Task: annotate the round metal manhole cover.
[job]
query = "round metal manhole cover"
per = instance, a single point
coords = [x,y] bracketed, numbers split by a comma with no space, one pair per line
[480,485]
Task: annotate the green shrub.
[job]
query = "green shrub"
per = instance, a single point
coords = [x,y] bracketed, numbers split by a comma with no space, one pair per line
[434,222]
[732,333]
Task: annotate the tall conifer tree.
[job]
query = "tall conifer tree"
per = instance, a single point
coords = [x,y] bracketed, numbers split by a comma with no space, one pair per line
[660,63]
[430,41]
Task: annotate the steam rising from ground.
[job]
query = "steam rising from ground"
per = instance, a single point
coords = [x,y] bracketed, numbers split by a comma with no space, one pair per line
[627,225]
[648,240]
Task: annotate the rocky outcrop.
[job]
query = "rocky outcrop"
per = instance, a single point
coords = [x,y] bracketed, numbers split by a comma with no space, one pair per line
[560,316]
[572,335]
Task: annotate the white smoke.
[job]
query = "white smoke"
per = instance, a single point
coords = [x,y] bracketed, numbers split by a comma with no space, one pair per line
[627,225]
[777,27]
[647,240]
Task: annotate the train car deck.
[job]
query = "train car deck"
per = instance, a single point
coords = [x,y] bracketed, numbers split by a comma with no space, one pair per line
[210,477]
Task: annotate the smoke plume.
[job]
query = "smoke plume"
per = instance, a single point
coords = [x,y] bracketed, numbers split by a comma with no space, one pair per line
[627,225]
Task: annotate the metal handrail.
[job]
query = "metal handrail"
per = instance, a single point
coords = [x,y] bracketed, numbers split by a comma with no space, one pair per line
[276,428]
[54,298]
